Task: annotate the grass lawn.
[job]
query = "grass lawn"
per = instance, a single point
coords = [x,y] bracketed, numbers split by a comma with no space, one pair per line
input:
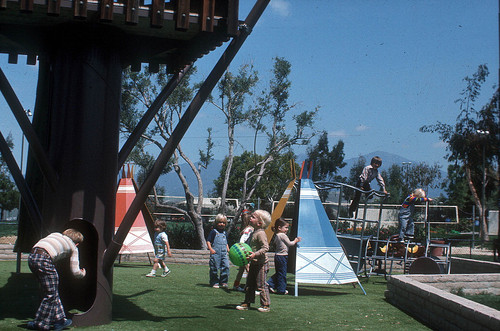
[184,301]
[490,300]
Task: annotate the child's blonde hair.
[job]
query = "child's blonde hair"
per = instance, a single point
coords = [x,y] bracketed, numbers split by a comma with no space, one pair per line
[419,193]
[263,216]
[74,235]
[221,218]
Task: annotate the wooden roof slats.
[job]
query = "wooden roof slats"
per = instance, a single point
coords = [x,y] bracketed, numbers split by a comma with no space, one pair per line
[132,11]
[135,66]
[206,12]
[157,10]
[159,32]
[26,5]
[80,8]
[232,17]
[154,67]
[53,7]
[207,15]
[31,59]
[12,58]
[106,10]
[182,14]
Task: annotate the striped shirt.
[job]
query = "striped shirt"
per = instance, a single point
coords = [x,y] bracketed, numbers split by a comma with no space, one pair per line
[59,247]
[411,200]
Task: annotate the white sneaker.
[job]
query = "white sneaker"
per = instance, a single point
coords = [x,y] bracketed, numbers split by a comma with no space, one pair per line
[264,309]
[151,274]
[215,286]
[165,273]
[243,306]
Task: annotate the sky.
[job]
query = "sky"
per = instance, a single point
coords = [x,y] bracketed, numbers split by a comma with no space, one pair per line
[378,70]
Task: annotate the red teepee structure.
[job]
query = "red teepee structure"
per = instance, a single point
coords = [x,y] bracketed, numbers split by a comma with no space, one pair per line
[138,239]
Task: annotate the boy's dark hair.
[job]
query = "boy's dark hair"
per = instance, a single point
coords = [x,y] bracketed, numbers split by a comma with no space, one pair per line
[376,160]
[161,224]
[279,222]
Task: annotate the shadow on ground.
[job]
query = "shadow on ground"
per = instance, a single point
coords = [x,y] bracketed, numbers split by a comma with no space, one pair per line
[20,297]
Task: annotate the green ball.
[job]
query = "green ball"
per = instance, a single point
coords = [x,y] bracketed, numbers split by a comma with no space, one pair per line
[239,253]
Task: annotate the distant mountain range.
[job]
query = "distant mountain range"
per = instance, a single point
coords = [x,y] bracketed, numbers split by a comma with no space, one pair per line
[173,186]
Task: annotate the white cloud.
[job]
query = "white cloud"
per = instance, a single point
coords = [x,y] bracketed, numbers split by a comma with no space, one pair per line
[281,7]
[362,127]
[338,133]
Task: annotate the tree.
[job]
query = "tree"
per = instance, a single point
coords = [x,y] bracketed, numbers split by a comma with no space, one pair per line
[233,90]
[400,183]
[326,163]
[269,117]
[424,176]
[276,177]
[9,195]
[473,141]
[138,92]
[395,184]
[456,187]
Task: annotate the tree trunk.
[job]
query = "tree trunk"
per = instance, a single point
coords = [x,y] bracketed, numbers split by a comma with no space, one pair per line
[194,213]
[230,158]
[477,201]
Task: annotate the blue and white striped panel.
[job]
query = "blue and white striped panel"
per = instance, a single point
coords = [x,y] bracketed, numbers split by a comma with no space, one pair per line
[323,265]
[320,257]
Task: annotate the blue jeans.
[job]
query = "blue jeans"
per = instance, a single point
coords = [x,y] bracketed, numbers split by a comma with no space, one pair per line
[278,280]
[406,226]
[218,261]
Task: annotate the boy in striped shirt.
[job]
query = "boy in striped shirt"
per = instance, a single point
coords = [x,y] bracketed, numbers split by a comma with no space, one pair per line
[406,226]
[42,259]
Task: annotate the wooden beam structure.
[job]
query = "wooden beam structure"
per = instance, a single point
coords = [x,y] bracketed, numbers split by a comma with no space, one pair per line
[173,33]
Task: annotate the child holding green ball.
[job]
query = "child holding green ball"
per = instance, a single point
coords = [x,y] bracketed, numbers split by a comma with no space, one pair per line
[259,266]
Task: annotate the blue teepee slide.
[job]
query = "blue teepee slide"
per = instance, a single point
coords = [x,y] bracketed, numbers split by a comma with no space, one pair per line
[320,258]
